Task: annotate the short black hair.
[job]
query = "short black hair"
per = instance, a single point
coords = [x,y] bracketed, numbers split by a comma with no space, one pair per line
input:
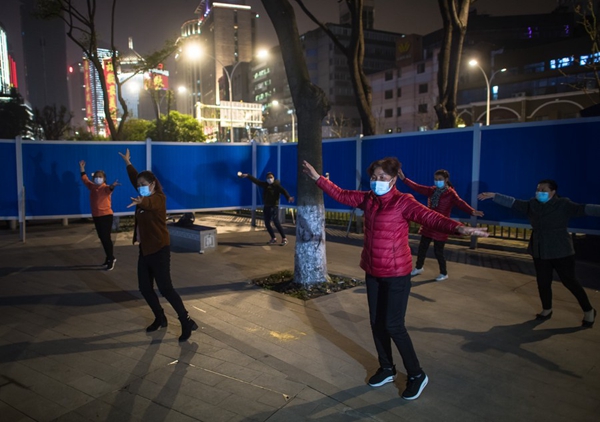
[270,174]
[551,183]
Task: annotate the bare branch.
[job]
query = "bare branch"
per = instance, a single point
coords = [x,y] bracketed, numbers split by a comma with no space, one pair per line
[331,35]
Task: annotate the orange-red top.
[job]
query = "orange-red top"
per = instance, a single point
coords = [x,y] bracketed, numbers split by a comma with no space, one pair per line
[100,201]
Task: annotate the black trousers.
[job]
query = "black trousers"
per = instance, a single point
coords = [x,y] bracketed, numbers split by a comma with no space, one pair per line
[272,213]
[388,299]
[157,266]
[103,228]
[565,268]
[438,250]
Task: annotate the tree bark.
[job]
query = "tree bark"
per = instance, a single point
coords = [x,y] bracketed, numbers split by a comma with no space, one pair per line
[455,15]
[311,106]
[354,53]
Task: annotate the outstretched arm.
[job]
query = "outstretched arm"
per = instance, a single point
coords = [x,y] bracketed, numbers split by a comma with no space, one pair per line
[131,171]
[254,180]
[347,197]
[86,181]
[505,201]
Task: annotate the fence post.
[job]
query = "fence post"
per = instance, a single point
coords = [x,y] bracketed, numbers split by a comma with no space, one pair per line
[475,170]
[359,167]
[20,187]
[254,168]
[149,154]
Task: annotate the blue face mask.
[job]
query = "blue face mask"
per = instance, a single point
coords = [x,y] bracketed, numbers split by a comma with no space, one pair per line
[144,190]
[380,188]
[542,196]
[439,183]
[98,180]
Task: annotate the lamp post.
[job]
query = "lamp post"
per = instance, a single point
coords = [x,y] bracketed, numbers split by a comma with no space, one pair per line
[195,51]
[488,82]
[292,113]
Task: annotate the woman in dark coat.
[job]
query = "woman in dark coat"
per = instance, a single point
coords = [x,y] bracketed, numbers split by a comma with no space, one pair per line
[550,245]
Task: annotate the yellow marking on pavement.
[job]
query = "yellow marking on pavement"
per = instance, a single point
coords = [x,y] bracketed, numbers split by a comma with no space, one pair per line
[285,336]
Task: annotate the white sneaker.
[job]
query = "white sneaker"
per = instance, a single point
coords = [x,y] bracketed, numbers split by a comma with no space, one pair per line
[417,271]
[441,277]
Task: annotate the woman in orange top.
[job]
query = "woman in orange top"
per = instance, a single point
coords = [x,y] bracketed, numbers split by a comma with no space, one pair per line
[102,212]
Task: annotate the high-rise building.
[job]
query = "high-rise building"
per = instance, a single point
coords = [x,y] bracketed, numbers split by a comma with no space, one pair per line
[215,44]
[5,65]
[44,47]
[222,35]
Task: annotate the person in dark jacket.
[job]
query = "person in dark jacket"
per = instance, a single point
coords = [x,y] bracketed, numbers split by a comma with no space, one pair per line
[272,189]
[154,260]
[550,244]
[441,198]
[387,261]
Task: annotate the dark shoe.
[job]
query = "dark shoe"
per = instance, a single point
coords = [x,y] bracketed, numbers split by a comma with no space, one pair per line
[272,241]
[283,241]
[159,322]
[541,317]
[187,326]
[589,324]
[383,376]
[111,264]
[415,386]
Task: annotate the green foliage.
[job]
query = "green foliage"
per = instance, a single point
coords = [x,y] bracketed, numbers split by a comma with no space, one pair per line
[136,129]
[177,127]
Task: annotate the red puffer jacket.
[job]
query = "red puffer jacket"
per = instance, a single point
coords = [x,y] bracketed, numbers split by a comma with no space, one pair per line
[448,200]
[386,252]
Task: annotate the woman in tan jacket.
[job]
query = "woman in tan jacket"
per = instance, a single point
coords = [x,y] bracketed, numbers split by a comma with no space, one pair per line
[154,262]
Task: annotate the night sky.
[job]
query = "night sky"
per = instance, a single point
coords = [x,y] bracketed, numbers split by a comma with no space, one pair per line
[150,22]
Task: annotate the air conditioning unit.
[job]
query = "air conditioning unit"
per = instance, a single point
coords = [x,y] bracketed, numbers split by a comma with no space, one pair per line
[519,94]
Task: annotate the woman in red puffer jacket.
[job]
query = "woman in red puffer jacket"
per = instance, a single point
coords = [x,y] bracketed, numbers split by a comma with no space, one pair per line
[441,198]
[387,261]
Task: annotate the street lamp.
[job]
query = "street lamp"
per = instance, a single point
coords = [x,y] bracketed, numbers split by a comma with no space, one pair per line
[194,51]
[292,113]
[474,63]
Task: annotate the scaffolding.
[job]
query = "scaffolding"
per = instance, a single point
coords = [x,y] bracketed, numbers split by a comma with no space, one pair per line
[218,120]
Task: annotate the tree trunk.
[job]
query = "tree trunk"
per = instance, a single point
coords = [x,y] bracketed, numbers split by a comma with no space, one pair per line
[455,15]
[311,107]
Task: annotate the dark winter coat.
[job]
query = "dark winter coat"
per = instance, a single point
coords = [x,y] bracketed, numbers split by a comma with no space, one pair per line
[550,238]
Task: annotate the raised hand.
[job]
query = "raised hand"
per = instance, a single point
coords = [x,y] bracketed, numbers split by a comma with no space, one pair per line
[477,213]
[82,166]
[135,201]
[401,175]
[309,170]
[485,195]
[115,183]
[126,157]
[473,231]
[291,199]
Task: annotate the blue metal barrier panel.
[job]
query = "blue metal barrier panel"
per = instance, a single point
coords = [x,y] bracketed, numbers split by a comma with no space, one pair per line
[196,176]
[421,154]
[9,198]
[339,160]
[514,158]
[52,179]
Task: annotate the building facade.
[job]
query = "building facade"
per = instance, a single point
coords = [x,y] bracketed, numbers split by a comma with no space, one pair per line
[215,45]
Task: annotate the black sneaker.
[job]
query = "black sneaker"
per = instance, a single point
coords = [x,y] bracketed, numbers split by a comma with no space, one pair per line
[383,376]
[415,386]
[111,264]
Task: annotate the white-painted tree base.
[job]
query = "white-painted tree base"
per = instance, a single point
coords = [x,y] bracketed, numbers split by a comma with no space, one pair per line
[310,263]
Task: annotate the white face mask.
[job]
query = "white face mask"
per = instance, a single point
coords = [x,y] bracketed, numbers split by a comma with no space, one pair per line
[98,180]
[270,180]
[380,188]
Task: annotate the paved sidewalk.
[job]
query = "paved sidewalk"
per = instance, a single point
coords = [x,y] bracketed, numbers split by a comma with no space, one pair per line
[73,346]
